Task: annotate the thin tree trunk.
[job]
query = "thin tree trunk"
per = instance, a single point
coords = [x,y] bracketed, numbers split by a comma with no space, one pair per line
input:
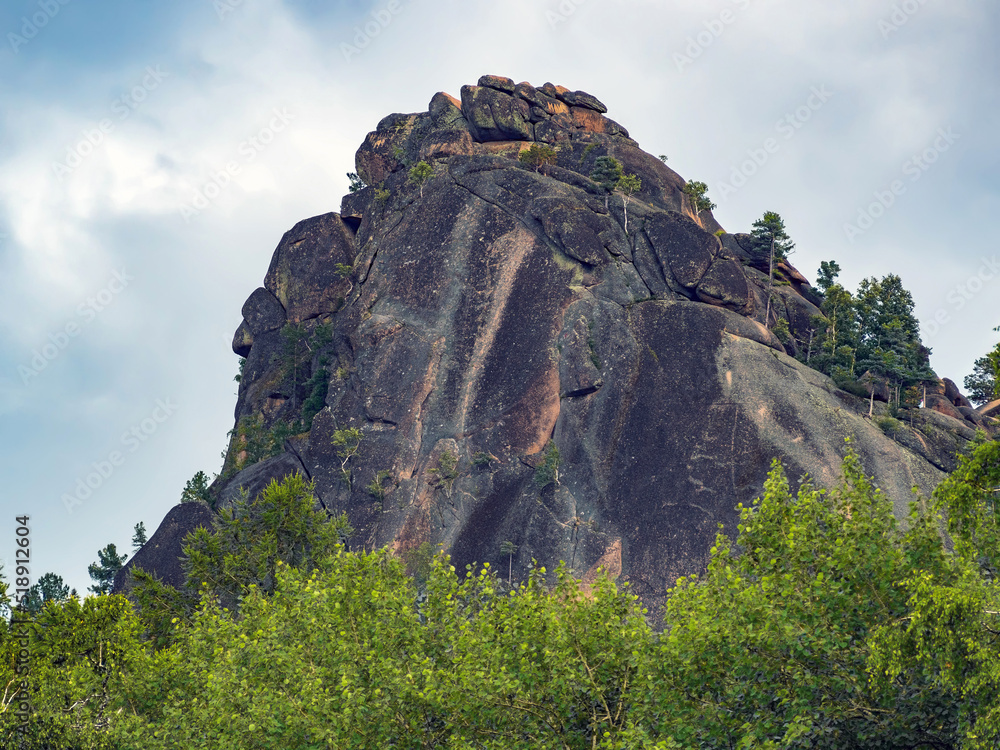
[770,282]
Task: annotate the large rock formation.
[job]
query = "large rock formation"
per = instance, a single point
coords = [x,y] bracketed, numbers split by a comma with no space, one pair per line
[472,331]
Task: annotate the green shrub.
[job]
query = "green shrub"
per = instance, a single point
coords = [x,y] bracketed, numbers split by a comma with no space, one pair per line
[889,425]
[548,471]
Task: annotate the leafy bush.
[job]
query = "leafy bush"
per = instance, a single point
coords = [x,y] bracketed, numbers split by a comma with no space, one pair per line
[548,470]
[889,425]
[538,155]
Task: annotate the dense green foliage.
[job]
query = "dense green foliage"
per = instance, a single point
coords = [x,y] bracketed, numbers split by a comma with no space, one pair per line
[769,236]
[48,588]
[822,624]
[698,193]
[195,491]
[983,384]
[872,331]
[537,156]
[103,572]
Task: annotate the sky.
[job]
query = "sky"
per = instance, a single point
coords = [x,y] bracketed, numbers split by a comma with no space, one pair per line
[153,153]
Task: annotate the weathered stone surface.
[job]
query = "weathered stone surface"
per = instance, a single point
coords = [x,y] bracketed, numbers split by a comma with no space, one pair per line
[971,415]
[393,144]
[954,395]
[505,308]
[305,273]
[161,554]
[682,246]
[242,340]
[494,115]
[992,409]
[500,83]
[943,405]
[583,99]
[262,312]
[444,143]
[725,284]
[579,232]
[446,112]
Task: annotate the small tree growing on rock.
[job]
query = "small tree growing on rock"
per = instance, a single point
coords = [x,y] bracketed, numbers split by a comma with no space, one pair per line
[607,172]
[698,193]
[769,233]
[538,156]
[628,186]
[420,173]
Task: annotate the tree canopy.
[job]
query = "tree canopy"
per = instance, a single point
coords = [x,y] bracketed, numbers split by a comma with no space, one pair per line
[819,622]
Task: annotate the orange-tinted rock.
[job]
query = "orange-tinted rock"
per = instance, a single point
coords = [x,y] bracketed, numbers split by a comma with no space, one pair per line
[942,405]
[954,395]
[446,143]
[500,83]
[992,409]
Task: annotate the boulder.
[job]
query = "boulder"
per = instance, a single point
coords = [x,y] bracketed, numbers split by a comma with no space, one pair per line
[943,405]
[992,409]
[952,393]
[682,246]
[242,340]
[162,552]
[262,312]
[494,115]
[307,272]
[499,83]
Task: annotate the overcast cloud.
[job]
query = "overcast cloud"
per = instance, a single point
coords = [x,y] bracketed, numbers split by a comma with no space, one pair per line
[870,126]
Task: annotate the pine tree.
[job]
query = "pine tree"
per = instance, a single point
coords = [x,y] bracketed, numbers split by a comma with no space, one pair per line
[768,234]
[104,571]
[607,172]
[48,588]
[139,536]
[420,173]
[889,343]
[829,270]
[196,489]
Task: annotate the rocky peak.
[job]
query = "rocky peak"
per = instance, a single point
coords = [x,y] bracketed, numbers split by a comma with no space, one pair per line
[490,356]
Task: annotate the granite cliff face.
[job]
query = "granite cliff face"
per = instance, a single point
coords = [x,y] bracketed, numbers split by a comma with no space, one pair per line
[471,327]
